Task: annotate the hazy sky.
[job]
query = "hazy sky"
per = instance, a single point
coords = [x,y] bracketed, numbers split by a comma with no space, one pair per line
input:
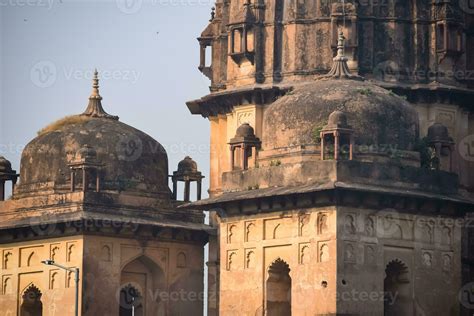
[145,50]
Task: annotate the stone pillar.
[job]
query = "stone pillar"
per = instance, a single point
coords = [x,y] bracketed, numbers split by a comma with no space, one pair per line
[2,190]
[73,180]
[336,145]
[84,180]
[187,186]
[322,146]
[199,189]
[97,181]
[232,158]
[244,157]
[175,189]
[351,148]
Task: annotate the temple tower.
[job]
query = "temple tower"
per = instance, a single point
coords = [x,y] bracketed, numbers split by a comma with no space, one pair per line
[364,170]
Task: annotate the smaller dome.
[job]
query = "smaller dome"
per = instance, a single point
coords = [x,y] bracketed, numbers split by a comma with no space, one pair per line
[438,133]
[337,119]
[86,153]
[245,130]
[187,165]
[5,165]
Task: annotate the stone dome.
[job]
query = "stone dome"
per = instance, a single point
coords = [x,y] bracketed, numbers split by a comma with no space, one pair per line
[337,119]
[130,160]
[245,130]
[5,165]
[377,116]
[438,133]
[187,165]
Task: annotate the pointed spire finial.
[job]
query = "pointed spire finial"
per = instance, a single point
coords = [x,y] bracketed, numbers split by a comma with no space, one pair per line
[95,86]
[339,68]
[94,108]
[213,14]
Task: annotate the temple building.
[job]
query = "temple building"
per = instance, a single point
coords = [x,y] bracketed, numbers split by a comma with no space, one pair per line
[93,195]
[342,161]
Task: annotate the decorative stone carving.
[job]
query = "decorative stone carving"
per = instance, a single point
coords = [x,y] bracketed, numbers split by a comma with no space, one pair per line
[303,225]
[250,231]
[349,253]
[71,248]
[447,263]
[304,254]
[324,253]
[349,224]
[54,252]
[322,223]
[7,259]
[232,231]
[446,235]
[106,253]
[370,255]
[7,286]
[181,260]
[427,259]
[53,279]
[250,259]
[231,260]
[369,227]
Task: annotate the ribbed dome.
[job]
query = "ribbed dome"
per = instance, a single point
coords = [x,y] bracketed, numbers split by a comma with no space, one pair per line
[377,116]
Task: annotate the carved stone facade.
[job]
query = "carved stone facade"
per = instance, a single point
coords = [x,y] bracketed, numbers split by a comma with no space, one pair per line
[94,196]
[364,110]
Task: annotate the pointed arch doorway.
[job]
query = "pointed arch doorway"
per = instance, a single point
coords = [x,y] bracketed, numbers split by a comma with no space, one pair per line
[278,289]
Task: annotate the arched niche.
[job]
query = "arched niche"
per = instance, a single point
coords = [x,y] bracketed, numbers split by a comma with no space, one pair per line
[398,289]
[31,304]
[278,289]
[148,279]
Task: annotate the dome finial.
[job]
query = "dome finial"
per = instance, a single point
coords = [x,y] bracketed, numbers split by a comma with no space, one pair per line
[95,108]
[339,68]
[95,85]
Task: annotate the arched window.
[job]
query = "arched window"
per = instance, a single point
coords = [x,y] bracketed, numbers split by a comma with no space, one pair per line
[31,304]
[278,289]
[130,301]
[397,289]
[143,280]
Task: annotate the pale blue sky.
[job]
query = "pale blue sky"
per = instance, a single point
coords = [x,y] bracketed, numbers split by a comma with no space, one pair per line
[146,51]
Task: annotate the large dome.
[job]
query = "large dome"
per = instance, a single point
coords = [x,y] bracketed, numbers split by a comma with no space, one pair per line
[377,116]
[131,160]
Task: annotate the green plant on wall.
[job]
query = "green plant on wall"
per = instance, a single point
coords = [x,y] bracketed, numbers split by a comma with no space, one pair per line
[317,134]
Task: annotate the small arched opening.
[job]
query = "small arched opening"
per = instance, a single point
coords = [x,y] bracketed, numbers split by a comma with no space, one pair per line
[278,289]
[31,302]
[397,290]
[139,277]
[130,301]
